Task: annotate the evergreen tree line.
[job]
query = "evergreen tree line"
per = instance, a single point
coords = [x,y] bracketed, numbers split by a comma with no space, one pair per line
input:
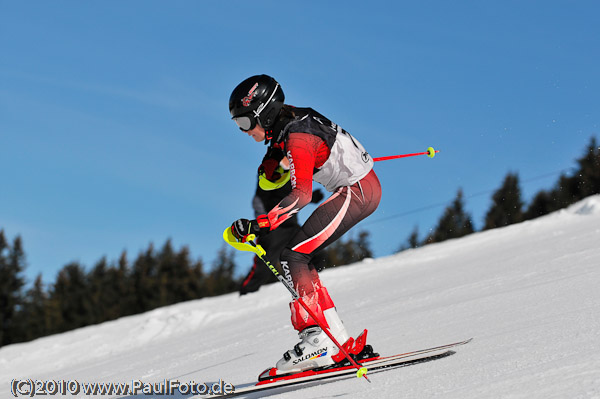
[507,204]
[107,291]
[110,290]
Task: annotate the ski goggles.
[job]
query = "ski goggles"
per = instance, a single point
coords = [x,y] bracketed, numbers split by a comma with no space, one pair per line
[245,122]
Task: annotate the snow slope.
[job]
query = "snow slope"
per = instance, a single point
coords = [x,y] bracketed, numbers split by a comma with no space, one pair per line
[529,294]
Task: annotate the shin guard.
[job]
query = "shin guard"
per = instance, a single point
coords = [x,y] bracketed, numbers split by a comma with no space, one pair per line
[320,303]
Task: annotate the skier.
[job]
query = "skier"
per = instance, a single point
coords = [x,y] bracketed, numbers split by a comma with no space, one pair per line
[319,150]
[266,197]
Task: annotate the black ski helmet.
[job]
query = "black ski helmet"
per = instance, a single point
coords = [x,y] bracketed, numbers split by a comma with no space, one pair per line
[257,99]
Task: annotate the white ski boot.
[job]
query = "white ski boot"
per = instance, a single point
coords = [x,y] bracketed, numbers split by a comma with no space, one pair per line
[315,349]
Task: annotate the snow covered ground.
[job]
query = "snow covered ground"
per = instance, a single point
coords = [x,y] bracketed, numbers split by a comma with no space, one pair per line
[529,294]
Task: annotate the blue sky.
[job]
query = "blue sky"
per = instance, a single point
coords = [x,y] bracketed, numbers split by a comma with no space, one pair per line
[115,132]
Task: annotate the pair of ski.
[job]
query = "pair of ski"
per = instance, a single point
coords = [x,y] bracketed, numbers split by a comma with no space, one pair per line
[342,372]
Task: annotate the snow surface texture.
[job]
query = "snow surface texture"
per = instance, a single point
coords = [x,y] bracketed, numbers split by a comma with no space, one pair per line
[529,295]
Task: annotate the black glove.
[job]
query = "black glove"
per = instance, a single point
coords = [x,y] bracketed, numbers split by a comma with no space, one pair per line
[270,163]
[242,228]
[317,196]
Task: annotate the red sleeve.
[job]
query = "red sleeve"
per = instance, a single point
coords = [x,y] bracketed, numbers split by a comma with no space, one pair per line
[302,152]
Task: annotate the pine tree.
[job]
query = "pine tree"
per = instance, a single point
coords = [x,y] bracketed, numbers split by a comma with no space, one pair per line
[588,175]
[125,286]
[105,282]
[345,252]
[190,277]
[33,319]
[412,241]
[167,275]
[144,276]
[197,279]
[566,192]
[334,254]
[70,295]
[541,204]
[221,278]
[12,265]
[507,207]
[177,278]
[364,246]
[454,223]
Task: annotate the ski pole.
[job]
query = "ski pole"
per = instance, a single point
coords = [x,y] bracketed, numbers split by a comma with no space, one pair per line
[261,253]
[430,153]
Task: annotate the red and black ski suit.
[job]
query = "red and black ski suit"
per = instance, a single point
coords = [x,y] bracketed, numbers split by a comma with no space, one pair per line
[319,150]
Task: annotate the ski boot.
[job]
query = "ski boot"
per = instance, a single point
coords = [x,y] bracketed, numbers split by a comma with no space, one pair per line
[315,349]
